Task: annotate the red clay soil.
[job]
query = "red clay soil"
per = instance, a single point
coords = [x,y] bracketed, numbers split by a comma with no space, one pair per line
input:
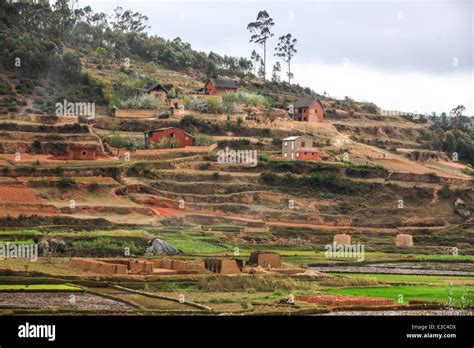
[164,207]
[345,300]
[168,211]
[24,195]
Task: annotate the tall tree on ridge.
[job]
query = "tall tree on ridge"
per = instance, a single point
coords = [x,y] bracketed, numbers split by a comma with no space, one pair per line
[276,72]
[260,30]
[286,50]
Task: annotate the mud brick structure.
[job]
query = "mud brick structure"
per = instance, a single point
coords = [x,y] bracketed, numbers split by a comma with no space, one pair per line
[342,239]
[84,153]
[140,266]
[343,301]
[404,240]
[98,266]
[177,265]
[265,259]
[224,265]
[133,266]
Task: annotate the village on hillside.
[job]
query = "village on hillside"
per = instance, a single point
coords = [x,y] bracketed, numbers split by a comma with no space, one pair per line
[141,176]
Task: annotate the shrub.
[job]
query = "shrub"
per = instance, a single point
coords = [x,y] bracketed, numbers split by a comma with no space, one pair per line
[165,143]
[142,102]
[202,139]
[231,108]
[164,115]
[204,166]
[93,186]
[66,182]
[316,182]
[205,105]
[445,191]
[277,141]
[122,142]
[36,146]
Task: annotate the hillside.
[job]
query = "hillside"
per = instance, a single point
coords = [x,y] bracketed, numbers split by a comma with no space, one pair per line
[377,176]
[359,196]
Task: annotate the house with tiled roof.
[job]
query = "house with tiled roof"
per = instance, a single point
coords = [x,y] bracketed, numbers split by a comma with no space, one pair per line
[308,109]
[214,86]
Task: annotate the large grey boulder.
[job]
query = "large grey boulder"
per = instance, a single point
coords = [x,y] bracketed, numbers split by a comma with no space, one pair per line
[161,247]
[52,245]
[460,208]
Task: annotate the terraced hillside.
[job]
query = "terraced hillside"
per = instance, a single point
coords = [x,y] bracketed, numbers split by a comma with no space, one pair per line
[310,200]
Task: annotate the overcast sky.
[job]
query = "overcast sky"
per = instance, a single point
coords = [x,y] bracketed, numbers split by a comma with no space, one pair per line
[401,55]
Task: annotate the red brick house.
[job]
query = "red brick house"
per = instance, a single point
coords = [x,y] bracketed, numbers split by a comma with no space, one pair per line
[178,138]
[82,153]
[214,86]
[307,154]
[308,109]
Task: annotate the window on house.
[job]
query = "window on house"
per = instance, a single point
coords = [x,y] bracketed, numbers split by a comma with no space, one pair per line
[303,144]
[285,143]
[84,153]
[297,154]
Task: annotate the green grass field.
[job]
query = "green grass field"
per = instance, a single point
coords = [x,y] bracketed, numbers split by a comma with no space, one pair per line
[39,287]
[409,292]
[196,243]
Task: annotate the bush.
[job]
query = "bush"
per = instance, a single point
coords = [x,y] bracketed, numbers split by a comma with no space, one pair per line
[93,187]
[142,102]
[36,146]
[202,139]
[165,143]
[204,105]
[122,142]
[445,191]
[164,115]
[277,141]
[66,182]
[204,166]
[242,97]
[316,182]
